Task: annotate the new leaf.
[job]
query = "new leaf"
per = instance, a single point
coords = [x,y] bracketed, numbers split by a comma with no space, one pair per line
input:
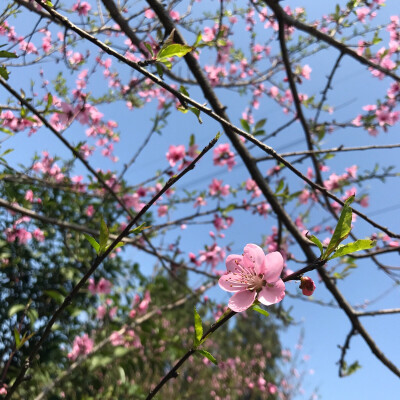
[198,328]
[342,229]
[209,356]
[362,244]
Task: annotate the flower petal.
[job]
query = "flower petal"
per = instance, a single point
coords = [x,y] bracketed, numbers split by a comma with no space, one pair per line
[273,266]
[231,262]
[242,300]
[253,257]
[229,282]
[274,294]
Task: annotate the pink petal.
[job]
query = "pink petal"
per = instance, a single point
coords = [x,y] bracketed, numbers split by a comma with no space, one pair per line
[242,300]
[254,257]
[231,261]
[272,295]
[228,282]
[273,266]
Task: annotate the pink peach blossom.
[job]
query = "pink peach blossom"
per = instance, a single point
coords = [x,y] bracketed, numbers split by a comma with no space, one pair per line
[253,275]
[175,154]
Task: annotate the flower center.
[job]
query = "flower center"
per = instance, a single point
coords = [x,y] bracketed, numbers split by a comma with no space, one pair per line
[255,282]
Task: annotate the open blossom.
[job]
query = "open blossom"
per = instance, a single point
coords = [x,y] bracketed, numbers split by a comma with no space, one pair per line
[82,8]
[218,189]
[224,156]
[307,286]
[81,346]
[253,275]
[175,154]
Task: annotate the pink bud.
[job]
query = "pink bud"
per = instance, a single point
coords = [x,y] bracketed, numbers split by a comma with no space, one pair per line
[307,286]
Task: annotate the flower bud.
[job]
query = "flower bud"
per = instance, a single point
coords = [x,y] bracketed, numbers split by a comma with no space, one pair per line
[307,286]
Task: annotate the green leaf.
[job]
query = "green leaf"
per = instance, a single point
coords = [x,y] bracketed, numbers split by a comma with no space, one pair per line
[17,338]
[6,152]
[316,241]
[281,184]
[183,90]
[342,229]
[348,370]
[149,48]
[209,356]
[196,112]
[192,140]
[260,310]
[15,309]
[122,375]
[160,71]
[104,235]
[260,124]
[198,328]
[49,3]
[7,54]
[167,63]
[4,73]
[245,125]
[139,228]
[198,39]
[182,109]
[119,244]
[57,296]
[24,339]
[93,242]
[49,101]
[362,244]
[173,50]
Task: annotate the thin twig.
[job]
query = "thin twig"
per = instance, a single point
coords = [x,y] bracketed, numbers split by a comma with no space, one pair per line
[339,149]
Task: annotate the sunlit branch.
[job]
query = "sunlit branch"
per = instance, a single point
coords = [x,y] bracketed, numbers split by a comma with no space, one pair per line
[339,149]
[378,312]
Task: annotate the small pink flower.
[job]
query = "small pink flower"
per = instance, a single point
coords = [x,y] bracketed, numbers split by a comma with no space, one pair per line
[175,154]
[38,234]
[307,286]
[149,14]
[253,275]
[29,196]
[199,202]
[81,346]
[162,210]
[224,156]
[82,8]
[101,312]
[104,286]
[306,71]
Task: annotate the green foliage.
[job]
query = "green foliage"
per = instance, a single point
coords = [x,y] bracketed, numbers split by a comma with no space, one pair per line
[362,244]
[198,329]
[260,310]
[343,228]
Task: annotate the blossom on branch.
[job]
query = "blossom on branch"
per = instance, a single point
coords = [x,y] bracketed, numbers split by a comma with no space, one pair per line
[253,275]
[307,286]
